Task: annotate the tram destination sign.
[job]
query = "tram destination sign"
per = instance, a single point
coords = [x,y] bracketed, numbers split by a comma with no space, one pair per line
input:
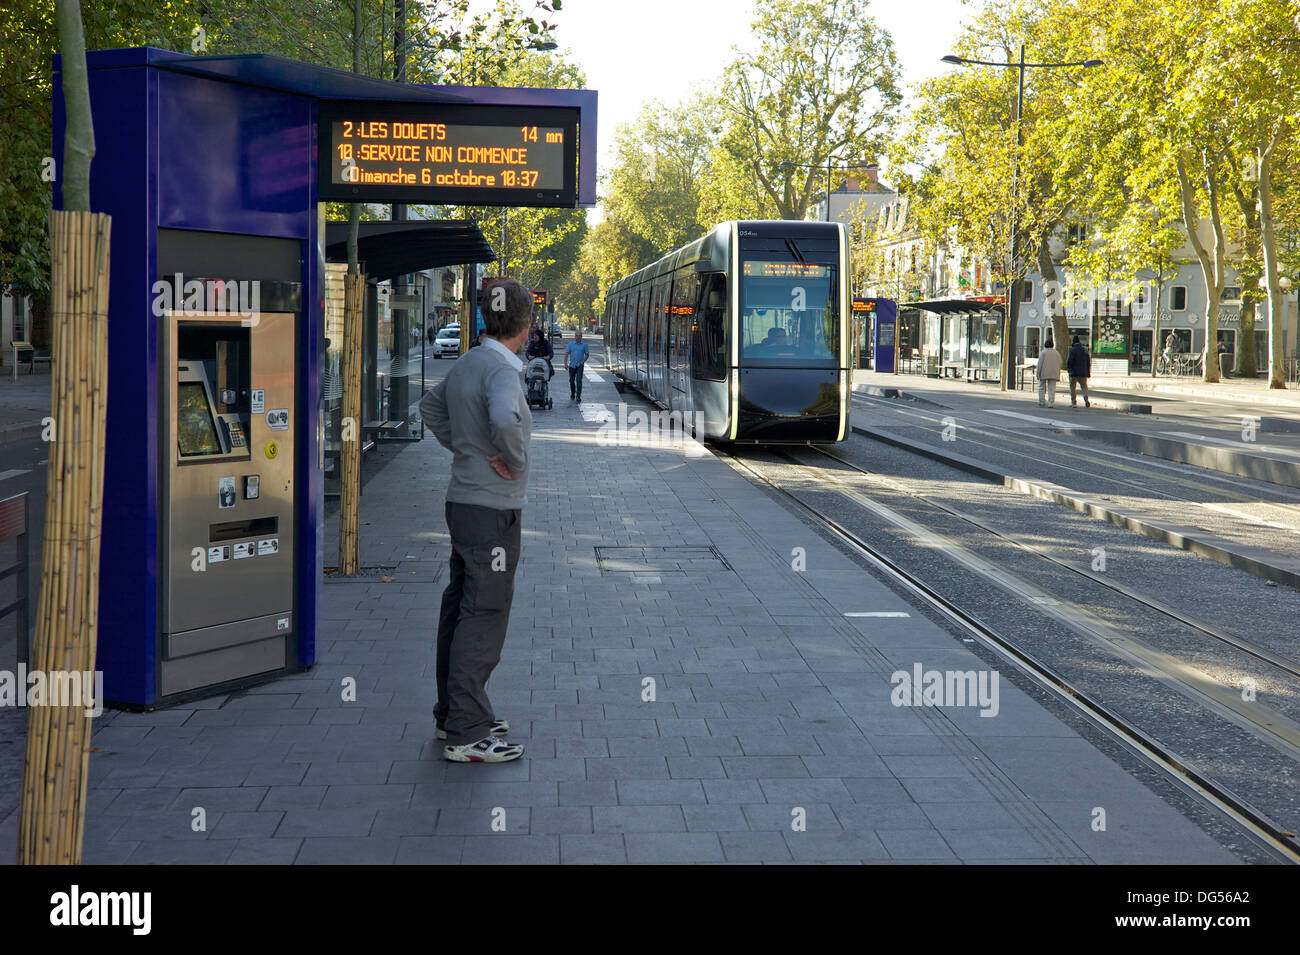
[448,153]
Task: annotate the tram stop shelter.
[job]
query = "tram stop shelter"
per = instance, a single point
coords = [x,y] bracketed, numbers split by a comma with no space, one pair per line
[391,368]
[958,337]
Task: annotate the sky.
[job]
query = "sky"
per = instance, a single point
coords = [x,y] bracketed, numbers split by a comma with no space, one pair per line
[633,52]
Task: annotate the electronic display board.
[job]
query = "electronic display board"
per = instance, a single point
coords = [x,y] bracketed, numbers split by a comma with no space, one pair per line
[468,154]
[799,270]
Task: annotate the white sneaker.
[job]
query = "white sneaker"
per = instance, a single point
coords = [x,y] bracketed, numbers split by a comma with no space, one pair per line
[499,728]
[487,750]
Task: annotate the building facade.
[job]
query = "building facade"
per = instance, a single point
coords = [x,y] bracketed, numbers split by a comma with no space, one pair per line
[1130,321]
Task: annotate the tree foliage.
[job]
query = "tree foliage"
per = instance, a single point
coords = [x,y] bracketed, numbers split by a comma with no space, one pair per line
[443,35]
[821,88]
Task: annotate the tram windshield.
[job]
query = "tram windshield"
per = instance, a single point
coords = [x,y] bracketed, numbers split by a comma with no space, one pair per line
[789,312]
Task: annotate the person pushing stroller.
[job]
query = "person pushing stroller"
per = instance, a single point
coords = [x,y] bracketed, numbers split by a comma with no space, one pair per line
[540,371]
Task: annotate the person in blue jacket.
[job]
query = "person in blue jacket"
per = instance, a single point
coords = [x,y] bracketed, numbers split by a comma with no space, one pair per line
[576,354]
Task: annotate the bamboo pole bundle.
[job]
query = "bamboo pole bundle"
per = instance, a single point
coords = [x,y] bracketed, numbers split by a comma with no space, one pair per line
[350,439]
[52,810]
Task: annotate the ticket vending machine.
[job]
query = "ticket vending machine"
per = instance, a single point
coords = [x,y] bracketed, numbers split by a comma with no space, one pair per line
[227,597]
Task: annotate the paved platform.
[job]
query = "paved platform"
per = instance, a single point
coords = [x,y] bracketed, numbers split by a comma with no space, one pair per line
[23,402]
[770,735]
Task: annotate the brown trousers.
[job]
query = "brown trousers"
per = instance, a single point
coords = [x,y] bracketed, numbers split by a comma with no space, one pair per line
[475,613]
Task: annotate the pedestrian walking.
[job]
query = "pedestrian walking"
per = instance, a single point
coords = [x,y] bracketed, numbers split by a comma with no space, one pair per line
[480,414]
[1049,373]
[1079,365]
[576,354]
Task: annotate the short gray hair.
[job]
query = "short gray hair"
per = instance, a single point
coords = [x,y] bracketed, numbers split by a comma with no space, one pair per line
[513,311]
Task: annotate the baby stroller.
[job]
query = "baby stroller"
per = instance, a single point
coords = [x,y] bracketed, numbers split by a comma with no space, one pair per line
[537,376]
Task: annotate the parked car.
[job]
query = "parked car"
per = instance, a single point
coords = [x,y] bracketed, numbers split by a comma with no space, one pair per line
[556,334]
[447,342]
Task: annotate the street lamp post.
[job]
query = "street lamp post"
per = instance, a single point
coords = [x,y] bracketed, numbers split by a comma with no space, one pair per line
[1014,291]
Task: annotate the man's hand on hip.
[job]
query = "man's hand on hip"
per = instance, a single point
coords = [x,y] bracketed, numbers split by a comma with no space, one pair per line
[499,465]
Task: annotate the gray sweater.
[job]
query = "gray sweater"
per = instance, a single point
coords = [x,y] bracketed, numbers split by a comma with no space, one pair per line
[479,411]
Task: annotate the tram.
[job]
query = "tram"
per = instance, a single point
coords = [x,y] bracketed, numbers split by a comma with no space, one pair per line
[745,332]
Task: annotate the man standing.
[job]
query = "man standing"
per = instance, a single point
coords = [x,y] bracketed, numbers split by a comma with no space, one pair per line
[1079,364]
[480,414]
[1049,372]
[576,354]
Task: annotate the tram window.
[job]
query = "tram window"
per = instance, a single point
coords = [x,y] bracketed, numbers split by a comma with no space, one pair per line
[789,312]
[709,340]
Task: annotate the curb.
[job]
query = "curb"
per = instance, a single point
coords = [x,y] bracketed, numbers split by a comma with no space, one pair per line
[878,392]
[1288,397]
[1255,561]
[1257,467]
[1128,407]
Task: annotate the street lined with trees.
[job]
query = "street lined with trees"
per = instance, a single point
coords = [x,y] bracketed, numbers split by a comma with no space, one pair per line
[1184,133]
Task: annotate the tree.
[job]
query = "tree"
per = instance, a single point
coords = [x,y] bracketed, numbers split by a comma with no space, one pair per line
[660,160]
[822,86]
[961,155]
[52,812]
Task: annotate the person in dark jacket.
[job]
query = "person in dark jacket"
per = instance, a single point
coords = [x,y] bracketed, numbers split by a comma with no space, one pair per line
[539,347]
[1079,366]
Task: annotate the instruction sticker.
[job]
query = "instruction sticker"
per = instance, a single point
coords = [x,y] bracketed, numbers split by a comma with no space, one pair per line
[277,419]
[217,554]
[244,550]
[269,546]
[225,492]
[259,400]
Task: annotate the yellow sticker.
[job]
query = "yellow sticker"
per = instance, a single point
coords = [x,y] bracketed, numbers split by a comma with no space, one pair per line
[272,449]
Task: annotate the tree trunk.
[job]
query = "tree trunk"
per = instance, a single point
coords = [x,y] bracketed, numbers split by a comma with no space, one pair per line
[1211,265]
[52,810]
[1248,204]
[1047,269]
[354,287]
[350,433]
[1268,239]
[79,134]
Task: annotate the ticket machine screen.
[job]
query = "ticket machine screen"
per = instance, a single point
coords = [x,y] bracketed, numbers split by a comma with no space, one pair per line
[196,428]
[212,389]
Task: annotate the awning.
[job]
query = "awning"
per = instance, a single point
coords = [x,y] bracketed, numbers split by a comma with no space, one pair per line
[294,76]
[389,249]
[953,306]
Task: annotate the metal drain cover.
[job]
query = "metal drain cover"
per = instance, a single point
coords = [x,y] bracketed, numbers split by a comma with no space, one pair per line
[660,560]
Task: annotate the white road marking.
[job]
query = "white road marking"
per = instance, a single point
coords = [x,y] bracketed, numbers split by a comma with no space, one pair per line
[589,375]
[592,411]
[880,613]
[9,474]
[1037,420]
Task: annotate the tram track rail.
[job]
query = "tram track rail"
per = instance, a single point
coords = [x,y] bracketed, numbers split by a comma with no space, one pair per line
[1280,840]
[1290,667]
[1182,476]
